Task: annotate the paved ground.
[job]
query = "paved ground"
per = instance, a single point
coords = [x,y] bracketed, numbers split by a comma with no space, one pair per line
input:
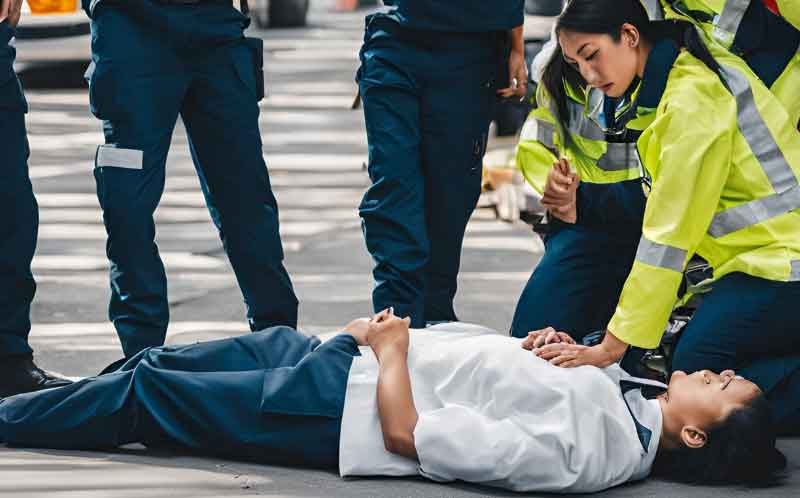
[315,149]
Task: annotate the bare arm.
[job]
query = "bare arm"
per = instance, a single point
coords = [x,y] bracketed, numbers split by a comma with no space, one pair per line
[388,337]
[396,408]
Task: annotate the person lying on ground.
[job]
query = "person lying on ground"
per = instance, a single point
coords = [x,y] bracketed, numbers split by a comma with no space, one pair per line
[450,402]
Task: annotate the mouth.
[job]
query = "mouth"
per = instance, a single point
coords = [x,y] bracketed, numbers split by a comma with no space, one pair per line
[605,88]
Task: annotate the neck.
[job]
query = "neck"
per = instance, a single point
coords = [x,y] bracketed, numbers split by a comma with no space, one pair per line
[670,427]
[643,52]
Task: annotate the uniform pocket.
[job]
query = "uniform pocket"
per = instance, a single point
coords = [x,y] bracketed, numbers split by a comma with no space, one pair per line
[250,68]
[102,90]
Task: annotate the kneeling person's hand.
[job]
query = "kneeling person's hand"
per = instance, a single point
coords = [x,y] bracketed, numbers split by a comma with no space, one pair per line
[549,335]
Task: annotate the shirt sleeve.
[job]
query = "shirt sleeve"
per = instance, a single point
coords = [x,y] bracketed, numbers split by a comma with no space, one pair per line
[459,443]
[689,152]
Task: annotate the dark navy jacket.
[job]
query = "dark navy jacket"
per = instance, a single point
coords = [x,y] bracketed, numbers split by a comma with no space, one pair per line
[458,15]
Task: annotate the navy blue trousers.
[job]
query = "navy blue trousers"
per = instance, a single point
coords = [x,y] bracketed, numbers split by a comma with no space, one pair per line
[577,283]
[274,396]
[427,99]
[20,223]
[151,64]
[750,325]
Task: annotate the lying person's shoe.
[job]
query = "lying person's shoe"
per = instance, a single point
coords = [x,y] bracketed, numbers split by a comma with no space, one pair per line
[19,374]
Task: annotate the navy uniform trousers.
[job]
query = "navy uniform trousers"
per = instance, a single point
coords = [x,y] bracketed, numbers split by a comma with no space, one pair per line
[428,98]
[20,222]
[151,63]
[274,396]
[577,283]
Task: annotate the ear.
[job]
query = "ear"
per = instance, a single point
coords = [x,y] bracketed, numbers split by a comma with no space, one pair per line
[629,35]
[693,436]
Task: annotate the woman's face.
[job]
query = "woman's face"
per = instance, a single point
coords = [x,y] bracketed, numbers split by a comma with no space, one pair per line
[608,65]
[705,398]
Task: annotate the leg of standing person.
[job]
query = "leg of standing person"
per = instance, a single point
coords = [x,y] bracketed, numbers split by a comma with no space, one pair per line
[393,208]
[18,233]
[460,83]
[224,89]
[136,86]
[275,396]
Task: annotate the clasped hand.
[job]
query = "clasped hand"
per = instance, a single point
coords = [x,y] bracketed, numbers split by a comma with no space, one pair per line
[561,350]
[384,332]
[560,192]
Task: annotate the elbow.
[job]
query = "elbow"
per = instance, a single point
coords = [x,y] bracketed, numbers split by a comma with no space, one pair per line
[399,443]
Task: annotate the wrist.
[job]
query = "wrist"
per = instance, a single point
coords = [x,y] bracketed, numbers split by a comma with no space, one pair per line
[613,347]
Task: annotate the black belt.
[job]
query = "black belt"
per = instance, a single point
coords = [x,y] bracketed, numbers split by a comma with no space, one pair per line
[243,3]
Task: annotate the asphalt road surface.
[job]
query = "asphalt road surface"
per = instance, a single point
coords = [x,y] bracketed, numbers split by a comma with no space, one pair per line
[315,148]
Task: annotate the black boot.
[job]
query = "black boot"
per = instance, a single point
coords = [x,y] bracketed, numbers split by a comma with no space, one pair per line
[19,374]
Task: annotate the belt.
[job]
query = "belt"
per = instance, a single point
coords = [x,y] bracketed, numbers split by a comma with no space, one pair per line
[240,5]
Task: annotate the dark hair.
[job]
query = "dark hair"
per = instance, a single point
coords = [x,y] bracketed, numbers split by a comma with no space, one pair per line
[607,17]
[740,450]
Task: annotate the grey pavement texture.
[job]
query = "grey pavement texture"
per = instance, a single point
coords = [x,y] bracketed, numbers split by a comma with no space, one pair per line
[315,147]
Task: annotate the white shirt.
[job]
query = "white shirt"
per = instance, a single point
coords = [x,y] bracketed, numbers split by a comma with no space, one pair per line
[491,412]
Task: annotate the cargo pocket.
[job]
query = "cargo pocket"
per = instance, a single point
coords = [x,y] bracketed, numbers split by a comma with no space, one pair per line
[102,90]
[250,68]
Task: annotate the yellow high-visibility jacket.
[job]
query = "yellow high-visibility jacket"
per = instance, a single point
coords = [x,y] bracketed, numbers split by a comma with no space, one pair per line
[724,161]
[596,161]
[790,10]
[721,23]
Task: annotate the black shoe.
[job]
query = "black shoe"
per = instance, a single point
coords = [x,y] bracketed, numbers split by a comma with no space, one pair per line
[19,374]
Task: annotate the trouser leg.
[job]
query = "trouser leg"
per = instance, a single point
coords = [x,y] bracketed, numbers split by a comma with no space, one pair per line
[223,90]
[18,232]
[577,283]
[457,105]
[393,208]
[136,88]
[275,396]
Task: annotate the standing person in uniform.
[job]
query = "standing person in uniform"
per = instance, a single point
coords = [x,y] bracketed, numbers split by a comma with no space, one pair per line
[430,73]
[18,372]
[152,61]
[723,156]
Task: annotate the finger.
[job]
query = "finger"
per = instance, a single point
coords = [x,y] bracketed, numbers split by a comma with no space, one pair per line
[561,359]
[540,341]
[566,338]
[528,343]
[571,364]
[549,354]
[506,92]
[551,337]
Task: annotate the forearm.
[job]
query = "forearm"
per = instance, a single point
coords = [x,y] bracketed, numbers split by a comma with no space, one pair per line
[396,409]
[517,40]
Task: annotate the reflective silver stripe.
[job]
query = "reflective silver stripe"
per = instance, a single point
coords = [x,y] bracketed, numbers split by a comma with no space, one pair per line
[545,132]
[754,212]
[619,157]
[581,125]
[654,10]
[108,155]
[756,133]
[794,275]
[770,157]
[660,255]
[732,15]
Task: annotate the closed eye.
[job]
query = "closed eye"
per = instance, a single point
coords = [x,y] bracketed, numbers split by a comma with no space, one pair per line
[591,56]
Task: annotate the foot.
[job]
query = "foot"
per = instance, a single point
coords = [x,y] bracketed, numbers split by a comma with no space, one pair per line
[19,374]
